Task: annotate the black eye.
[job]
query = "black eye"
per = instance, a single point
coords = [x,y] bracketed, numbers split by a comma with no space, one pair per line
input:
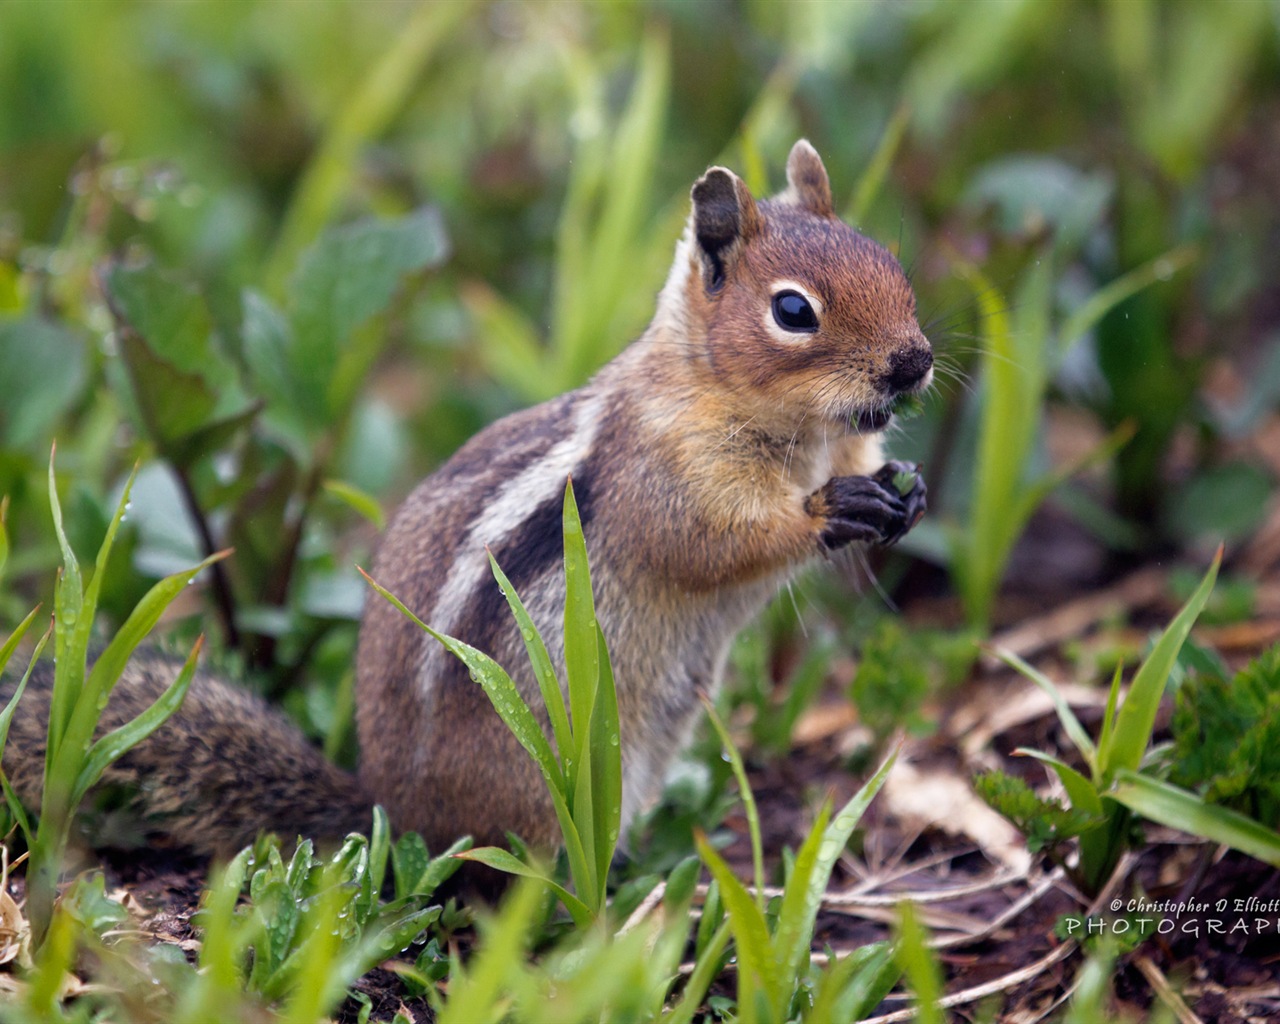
[793,312]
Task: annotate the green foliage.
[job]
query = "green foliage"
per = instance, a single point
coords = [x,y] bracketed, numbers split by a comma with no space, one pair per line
[773,952]
[74,759]
[1046,824]
[1226,739]
[1115,786]
[898,671]
[584,772]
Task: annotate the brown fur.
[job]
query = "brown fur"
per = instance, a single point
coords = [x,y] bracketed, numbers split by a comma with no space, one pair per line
[711,459]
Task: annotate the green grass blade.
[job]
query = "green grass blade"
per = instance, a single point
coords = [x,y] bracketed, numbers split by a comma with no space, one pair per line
[1137,715]
[873,178]
[920,967]
[855,985]
[70,645]
[1107,736]
[543,670]
[606,767]
[6,652]
[379,848]
[476,996]
[794,931]
[501,860]
[835,837]
[15,638]
[1168,805]
[111,663]
[1070,723]
[113,745]
[4,534]
[581,648]
[367,112]
[580,867]
[1080,791]
[704,972]
[748,798]
[497,685]
[750,932]
[1110,295]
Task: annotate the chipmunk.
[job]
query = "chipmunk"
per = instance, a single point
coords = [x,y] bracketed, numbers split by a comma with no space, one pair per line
[736,441]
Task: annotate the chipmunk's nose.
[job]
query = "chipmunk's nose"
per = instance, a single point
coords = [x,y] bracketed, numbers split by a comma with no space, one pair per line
[907,368]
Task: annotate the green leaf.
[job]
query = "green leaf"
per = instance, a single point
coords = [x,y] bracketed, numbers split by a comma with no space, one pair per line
[854,985]
[1137,715]
[1176,808]
[731,751]
[543,670]
[877,170]
[42,372]
[501,860]
[115,744]
[499,688]
[606,768]
[794,930]
[182,384]
[345,279]
[750,932]
[354,498]
[581,648]
[920,967]
[704,973]
[1074,730]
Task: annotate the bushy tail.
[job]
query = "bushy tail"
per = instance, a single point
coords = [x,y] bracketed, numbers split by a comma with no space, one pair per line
[224,768]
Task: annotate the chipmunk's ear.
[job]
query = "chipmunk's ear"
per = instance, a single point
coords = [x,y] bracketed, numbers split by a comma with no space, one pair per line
[724,219]
[808,179]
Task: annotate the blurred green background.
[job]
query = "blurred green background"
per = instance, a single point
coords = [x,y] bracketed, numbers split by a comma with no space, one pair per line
[1085,192]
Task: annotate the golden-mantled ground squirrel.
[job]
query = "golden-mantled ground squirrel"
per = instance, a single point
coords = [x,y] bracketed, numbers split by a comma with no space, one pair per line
[734,442]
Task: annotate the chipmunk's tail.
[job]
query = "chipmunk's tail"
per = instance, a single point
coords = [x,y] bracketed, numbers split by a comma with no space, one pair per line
[224,768]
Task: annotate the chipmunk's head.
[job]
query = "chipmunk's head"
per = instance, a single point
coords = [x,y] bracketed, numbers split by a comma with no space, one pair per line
[803,317]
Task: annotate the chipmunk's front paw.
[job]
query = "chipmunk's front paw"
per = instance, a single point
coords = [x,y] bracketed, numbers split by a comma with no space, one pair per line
[907,481]
[875,509]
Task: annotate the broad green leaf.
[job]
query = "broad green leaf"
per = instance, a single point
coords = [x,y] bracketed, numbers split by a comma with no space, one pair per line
[1137,715]
[364,115]
[501,860]
[379,848]
[42,372]
[1177,808]
[345,279]
[114,745]
[181,381]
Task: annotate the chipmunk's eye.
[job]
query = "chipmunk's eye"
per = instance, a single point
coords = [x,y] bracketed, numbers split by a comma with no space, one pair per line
[793,313]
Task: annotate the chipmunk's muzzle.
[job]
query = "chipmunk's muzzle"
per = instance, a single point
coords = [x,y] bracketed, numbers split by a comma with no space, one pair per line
[909,370]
